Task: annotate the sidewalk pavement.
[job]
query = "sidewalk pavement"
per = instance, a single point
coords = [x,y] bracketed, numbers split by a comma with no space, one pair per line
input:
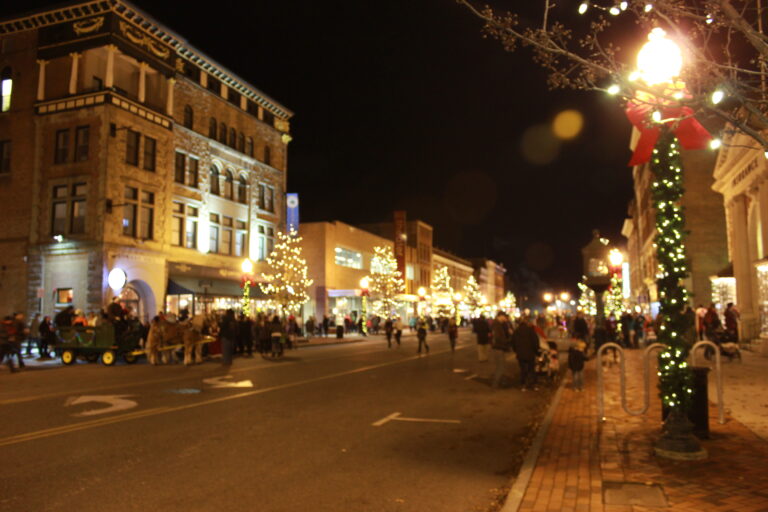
[584,465]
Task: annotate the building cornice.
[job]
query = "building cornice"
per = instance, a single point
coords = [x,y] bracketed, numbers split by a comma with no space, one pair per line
[79,10]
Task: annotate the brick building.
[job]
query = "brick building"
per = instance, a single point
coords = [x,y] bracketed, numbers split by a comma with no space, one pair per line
[125,150]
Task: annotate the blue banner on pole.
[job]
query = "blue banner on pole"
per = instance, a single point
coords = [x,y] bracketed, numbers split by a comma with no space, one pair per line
[292,212]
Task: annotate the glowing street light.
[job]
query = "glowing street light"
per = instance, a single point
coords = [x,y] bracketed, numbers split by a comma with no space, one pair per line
[565,296]
[364,284]
[247,267]
[548,297]
[660,59]
[616,258]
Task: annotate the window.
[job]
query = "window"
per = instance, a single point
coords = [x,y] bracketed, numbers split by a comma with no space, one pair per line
[82,141]
[6,87]
[61,149]
[241,238]
[348,258]
[184,226]
[270,240]
[5,156]
[150,146]
[269,118]
[222,133]
[68,209]
[213,230]
[212,128]
[226,236]
[138,213]
[270,199]
[262,196]
[214,85]
[261,245]
[132,147]
[189,117]
[249,147]
[180,168]
[241,142]
[233,97]
[267,155]
[64,296]
[228,184]
[232,138]
[214,178]
[409,274]
[242,190]
[193,176]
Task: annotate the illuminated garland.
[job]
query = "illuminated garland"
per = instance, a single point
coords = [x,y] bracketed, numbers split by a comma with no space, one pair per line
[587,300]
[675,376]
[287,282]
[386,282]
[247,298]
[614,300]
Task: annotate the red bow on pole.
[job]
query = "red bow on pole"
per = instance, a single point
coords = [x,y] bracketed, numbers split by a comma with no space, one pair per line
[690,133]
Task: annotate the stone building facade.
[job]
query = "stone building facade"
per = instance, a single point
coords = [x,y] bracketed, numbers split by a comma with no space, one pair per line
[125,150]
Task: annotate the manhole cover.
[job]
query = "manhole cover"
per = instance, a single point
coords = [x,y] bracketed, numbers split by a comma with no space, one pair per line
[184,391]
[632,493]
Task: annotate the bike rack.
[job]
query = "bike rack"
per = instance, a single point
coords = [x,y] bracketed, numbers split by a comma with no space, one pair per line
[646,378]
[623,379]
[718,375]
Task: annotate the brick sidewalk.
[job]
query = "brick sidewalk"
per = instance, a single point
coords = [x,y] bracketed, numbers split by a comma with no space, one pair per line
[580,458]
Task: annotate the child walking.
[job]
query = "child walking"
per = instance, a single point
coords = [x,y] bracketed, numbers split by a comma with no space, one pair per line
[576,358]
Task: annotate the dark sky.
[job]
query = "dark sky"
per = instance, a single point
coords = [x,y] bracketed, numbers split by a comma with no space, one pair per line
[403,105]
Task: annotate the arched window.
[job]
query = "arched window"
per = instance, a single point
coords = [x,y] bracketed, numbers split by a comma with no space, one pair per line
[215,180]
[241,142]
[267,155]
[232,138]
[228,185]
[189,116]
[223,133]
[212,128]
[242,190]
[249,147]
[6,86]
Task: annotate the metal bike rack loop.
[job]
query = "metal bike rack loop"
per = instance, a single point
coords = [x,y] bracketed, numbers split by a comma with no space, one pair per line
[718,375]
[623,379]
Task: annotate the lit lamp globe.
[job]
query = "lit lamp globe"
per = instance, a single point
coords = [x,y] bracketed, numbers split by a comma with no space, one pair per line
[116,279]
[457,297]
[660,59]
[364,283]
[422,292]
[547,297]
[616,258]
[565,296]
[247,266]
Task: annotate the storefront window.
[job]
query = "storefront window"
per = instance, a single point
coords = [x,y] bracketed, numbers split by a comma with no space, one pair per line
[762,280]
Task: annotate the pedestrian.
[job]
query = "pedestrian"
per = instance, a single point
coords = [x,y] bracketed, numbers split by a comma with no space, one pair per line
[310,325]
[245,336]
[732,322]
[326,324]
[626,329]
[46,337]
[500,342]
[576,358]
[525,342]
[580,327]
[34,334]
[453,333]
[701,312]
[20,333]
[388,331]
[639,327]
[6,344]
[421,334]
[64,317]
[228,334]
[482,331]
[398,327]
[711,322]
[276,336]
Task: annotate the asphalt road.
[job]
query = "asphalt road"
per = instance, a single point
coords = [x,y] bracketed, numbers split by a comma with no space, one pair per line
[315,431]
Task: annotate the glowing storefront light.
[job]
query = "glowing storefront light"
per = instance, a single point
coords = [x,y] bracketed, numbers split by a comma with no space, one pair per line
[117,279]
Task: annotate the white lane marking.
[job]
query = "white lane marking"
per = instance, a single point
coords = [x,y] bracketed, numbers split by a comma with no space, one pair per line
[116,403]
[396,416]
[470,377]
[219,382]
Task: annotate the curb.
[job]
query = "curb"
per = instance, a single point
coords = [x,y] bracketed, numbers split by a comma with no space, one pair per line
[523,478]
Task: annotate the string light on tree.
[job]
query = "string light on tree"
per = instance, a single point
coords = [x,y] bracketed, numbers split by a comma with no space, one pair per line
[286,282]
[587,299]
[386,282]
[442,293]
[473,299]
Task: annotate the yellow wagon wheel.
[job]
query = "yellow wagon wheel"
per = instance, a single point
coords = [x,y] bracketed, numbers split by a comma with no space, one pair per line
[68,356]
[108,358]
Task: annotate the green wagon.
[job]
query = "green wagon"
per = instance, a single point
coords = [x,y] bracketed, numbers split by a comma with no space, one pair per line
[100,342]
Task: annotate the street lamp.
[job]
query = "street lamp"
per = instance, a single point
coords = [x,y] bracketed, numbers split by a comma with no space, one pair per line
[548,297]
[595,261]
[456,303]
[364,284]
[422,297]
[247,268]
[616,258]
[565,296]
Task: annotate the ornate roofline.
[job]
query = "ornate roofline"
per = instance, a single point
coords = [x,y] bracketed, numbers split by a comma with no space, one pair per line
[132,14]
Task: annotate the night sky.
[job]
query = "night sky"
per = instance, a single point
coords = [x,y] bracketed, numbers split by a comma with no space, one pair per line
[404,105]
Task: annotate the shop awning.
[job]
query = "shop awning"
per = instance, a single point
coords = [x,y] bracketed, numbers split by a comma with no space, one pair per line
[184,285]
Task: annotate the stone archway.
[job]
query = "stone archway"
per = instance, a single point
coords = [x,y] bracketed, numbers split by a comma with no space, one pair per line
[139,297]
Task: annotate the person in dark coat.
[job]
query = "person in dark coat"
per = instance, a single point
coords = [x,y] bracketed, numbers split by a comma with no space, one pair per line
[245,336]
[483,332]
[388,331]
[580,327]
[64,318]
[525,343]
[421,334]
[46,337]
[500,336]
[576,358]
[228,335]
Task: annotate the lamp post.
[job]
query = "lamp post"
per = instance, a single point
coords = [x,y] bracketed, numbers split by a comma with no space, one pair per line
[595,261]
[364,291]
[456,303]
[422,297]
[247,268]
[665,124]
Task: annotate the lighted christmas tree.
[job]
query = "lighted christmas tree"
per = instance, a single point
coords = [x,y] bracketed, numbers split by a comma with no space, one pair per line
[442,293]
[509,304]
[473,298]
[386,282]
[286,282]
[614,297]
[587,299]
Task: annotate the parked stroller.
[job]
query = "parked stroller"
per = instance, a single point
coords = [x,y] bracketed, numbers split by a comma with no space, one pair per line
[547,363]
[727,341]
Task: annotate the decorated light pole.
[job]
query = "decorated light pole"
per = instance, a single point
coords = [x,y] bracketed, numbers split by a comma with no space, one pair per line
[422,299]
[456,303]
[247,268]
[666,124]
[364,292]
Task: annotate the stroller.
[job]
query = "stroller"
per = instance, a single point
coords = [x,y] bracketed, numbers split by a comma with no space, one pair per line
[547,363]
[727,341]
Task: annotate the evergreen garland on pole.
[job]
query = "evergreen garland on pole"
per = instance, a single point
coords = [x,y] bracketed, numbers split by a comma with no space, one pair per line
[675,376]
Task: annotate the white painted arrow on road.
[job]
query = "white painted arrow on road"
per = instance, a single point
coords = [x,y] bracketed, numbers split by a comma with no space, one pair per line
[116,403]
[219,382]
